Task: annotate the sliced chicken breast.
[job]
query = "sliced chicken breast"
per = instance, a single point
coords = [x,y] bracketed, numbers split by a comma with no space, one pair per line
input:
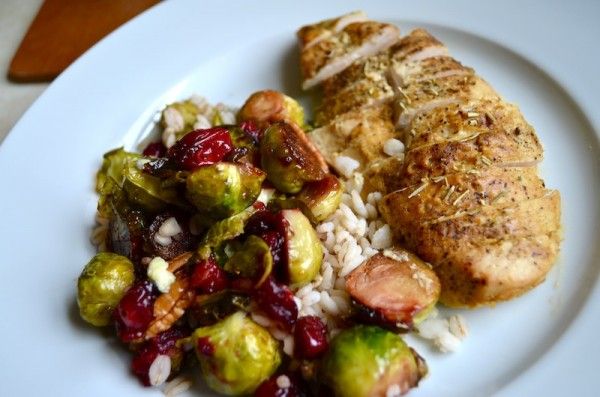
[310,35]
[335,53]
[446,195]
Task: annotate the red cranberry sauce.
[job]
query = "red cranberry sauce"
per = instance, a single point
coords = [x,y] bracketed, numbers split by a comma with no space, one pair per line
[310,338]
[135,311]
[201,147]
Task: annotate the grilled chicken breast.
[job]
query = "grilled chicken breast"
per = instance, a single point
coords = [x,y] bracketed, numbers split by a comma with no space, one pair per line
[466,196]
[336,52]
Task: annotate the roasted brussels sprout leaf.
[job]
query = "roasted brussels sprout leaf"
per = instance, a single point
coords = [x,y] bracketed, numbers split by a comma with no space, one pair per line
[322,197]
[236,355]
[110,176]
[289,158]
[209,309]
[223,189]
[304,248]
[252,260]
[147,191]
[366,361]
[268,106]
[101,285]
[395,291]
[223,230]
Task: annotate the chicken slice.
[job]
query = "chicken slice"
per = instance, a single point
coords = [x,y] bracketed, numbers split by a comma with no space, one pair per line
[365,93]
[335,53]
[494,254]
[475,272]
[496,148]
[533,217]
[359,134]
[310,35]
[373,88]
[463,121]
[446,195]
[422,96]
[416,46]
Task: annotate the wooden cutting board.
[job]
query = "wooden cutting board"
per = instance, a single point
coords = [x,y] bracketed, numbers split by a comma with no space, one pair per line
[63,30]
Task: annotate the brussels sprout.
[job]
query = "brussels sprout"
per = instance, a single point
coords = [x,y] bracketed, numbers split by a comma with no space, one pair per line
[126,230]
[224,189]
[223,230]
[110,176]
[304,248]
[395,290]
[209,309]
[289,158]
[322,197]
[101,285]
[269,106]
[366,361]
[253,260]
[147,191]
[236,355]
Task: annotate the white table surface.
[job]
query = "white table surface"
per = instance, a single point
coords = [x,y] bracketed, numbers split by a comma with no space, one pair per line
[15,98]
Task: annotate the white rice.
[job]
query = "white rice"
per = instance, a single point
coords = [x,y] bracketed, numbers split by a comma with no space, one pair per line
[159,370]
[177,386]
[446,334]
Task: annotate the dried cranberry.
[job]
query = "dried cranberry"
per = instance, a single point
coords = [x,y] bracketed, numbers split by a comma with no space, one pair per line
[205,347]
[155,149]
[135,311]
[163,343]
[251,129]
[282,385]
[277,302]
[201,147]
[208,277]
[169,247]
[270,226]
[310,338]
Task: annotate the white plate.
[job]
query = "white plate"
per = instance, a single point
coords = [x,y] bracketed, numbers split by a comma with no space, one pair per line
[541,56]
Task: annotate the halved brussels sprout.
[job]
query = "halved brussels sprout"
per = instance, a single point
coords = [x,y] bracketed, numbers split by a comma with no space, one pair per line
[366,361]
[395,289]
[304,248]
[289,158]
[223,230]
[101,285]
[236,355]
[223,189]
[110,176]
[322,197]
[269,106]
[252,260]
[147,191]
